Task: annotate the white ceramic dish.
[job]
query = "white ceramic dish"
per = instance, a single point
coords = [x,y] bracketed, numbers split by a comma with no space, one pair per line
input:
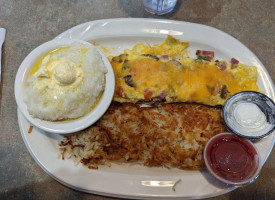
[137,181]
[264,103]
[61,127]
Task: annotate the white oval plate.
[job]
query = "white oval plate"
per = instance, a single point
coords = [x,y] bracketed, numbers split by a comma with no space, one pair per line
[135,181]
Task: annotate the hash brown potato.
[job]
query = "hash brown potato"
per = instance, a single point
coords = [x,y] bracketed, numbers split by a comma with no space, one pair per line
[169,135]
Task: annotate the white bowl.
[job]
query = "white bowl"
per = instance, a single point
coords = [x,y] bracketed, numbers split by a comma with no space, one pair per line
[61,127]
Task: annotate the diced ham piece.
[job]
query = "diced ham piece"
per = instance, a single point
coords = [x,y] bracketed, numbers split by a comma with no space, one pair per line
[222,67]
[176,58]
[147,94]
[234,63]
[119,91]
[164,57]
[162,95]
[208,55]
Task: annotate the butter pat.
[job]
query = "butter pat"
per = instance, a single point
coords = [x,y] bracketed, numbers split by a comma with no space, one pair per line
[64,72]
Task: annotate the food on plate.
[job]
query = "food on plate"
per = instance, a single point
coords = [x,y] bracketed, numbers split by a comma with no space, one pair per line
[183,115]
[169,135]
[165,73]
[65,83]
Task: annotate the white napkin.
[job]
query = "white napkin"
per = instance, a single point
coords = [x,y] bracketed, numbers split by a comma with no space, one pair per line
[2,38]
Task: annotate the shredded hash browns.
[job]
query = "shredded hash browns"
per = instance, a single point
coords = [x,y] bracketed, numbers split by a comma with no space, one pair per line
[169,135]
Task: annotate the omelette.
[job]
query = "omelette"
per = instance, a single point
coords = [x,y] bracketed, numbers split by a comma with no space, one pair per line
[166,73]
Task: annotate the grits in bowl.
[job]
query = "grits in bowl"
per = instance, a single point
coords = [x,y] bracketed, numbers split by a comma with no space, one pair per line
[65,83]
[64,86]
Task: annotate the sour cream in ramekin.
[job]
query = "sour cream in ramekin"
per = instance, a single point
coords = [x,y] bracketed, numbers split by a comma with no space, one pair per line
[250,114]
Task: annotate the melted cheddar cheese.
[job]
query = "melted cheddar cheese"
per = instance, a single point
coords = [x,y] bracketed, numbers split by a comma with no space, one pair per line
[164,72]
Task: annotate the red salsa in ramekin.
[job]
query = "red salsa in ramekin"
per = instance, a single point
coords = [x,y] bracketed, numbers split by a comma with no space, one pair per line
[232,159]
